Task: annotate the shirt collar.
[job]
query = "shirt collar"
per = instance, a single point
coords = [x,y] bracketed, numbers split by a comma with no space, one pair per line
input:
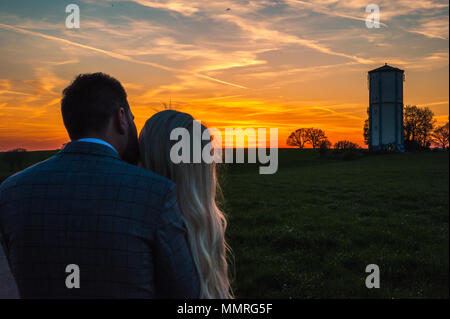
[96,140]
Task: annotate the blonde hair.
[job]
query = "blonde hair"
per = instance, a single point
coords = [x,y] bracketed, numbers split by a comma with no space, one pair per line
[197,189]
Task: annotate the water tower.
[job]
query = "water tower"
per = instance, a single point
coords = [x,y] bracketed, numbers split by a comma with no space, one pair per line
[386,108]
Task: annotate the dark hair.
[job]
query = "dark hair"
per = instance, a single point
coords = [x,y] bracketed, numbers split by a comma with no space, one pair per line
[89,102]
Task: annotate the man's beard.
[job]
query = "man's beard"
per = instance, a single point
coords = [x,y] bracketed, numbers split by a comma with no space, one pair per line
[131,153]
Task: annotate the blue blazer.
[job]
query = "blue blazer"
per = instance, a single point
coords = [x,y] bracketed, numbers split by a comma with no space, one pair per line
[119,223]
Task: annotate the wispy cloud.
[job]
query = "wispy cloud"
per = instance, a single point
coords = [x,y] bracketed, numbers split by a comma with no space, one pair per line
[326,10]
[113,54]
[261,31]
[435,28]
[284,63]
[355,9]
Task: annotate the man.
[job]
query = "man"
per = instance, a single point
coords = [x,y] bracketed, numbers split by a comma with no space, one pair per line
[86,224]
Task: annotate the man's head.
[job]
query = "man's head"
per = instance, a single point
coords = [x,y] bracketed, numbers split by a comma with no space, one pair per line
[95,105]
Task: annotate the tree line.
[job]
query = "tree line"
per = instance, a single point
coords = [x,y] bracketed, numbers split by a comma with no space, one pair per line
[14,158]
[316,138]
[420,132]
[419,129]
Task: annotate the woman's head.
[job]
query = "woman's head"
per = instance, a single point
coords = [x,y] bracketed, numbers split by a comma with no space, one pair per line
[197,189]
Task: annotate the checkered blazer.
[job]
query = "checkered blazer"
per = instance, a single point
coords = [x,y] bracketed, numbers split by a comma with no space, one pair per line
[120,224]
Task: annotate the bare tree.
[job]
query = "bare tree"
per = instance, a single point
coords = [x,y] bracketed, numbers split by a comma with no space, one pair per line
[440,136]
[345,145]
[298,138]
[315,136]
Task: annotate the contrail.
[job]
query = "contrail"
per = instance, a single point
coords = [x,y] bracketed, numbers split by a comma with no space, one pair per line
[113,54]
[327,11]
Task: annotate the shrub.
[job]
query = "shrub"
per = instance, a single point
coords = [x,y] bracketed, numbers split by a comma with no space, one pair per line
[324,146]
[344,145]
[346,150]
[414,146]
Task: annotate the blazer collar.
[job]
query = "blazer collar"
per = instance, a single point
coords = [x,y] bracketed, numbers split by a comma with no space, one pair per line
[89,148]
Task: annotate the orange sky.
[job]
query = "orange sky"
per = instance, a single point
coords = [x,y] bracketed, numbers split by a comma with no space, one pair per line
[285,64]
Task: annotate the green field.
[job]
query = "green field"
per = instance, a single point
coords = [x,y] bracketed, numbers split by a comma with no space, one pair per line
[309,230]
[29,158]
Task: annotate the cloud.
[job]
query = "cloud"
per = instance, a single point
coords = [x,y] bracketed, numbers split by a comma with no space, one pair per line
[435,28]
[113,54]
[255,29]
[197,7]
[30,116]
[208,59]
[355,9]
[184,8]
[71,61]
[294,71]
[431,61]
[261,31]
[285,64]
[320,8]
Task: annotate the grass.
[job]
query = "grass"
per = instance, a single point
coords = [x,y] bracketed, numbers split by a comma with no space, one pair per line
[29,158]
[310,230]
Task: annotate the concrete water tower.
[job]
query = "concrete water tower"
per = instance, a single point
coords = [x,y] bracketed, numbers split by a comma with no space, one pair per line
[386,108]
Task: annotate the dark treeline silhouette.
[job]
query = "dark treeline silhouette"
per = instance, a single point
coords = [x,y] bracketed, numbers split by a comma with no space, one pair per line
[440,136]
[345,145]
[316,138]
[14,158]
[307,136]
[419,128]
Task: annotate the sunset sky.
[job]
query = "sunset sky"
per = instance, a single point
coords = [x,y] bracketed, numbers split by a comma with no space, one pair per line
[237,63]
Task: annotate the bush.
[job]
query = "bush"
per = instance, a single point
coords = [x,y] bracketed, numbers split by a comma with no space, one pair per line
[346,150]
[344,145]
[414,146]
[324,146]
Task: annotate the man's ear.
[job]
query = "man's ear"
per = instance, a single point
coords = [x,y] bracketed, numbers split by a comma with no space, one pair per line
[122,122]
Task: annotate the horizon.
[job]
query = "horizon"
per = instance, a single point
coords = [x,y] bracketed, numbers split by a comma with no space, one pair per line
[274,64]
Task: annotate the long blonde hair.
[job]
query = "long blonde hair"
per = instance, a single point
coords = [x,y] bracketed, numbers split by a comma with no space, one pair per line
[197,190]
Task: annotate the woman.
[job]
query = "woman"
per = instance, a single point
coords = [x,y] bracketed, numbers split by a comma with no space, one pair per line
[197,188]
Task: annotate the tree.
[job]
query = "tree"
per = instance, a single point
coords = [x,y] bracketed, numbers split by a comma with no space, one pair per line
[418,125]
[298,138]
[440,136]
[315,136]
[324,146]
[345,145]
[366,130]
